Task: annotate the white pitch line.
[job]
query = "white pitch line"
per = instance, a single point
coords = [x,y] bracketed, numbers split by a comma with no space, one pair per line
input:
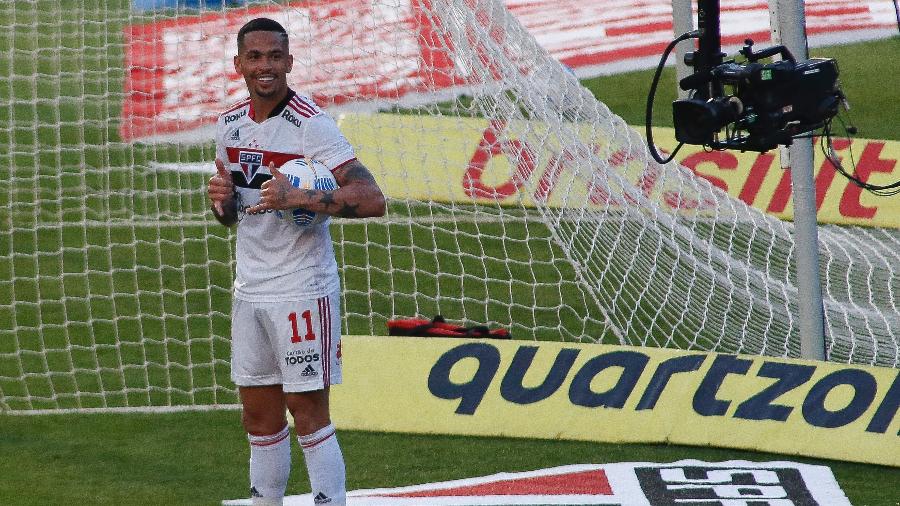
[203,167]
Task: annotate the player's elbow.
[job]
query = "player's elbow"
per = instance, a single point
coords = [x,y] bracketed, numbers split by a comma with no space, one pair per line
[378,204]
[227,213]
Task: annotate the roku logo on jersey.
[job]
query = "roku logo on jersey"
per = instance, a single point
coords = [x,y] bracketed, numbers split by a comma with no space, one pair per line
[236,116]
[290,117]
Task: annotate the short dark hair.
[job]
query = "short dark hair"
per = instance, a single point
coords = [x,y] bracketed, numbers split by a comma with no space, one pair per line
[260,25]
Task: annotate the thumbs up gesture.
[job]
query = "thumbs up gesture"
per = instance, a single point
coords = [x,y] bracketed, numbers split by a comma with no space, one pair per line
[221,187]
[274,193]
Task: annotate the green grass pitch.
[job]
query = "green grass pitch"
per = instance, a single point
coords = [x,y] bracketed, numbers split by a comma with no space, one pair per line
[160,279]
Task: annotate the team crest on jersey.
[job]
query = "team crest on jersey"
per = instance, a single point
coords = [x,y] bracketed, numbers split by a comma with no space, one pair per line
[250,162]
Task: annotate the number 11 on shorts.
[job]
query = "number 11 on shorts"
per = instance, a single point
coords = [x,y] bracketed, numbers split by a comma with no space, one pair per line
[307,317]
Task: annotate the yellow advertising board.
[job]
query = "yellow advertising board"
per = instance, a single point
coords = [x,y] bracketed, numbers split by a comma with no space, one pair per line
[759,181]
[465,160]
[619,394]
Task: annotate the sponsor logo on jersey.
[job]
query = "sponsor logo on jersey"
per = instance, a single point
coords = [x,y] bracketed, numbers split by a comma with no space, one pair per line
[236,136]
[236,116]
[289,116]
[299,357]
[243,209]
[250,162]
[321,498]
[309,370]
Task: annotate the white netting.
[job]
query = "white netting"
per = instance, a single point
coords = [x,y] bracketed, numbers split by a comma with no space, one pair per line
[516,200]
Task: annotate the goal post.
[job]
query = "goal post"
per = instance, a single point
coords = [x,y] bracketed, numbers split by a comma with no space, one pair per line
[516,199]
[788,27]
[788,23]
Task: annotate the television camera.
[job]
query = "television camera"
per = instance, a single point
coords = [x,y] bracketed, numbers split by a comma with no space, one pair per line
[759,105]
[769,104]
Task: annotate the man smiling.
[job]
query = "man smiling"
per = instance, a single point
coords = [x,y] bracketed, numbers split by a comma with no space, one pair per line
[285,321]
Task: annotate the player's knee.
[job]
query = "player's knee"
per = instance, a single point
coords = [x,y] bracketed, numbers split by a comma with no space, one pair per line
[310,412]
[262,423]
[308,423]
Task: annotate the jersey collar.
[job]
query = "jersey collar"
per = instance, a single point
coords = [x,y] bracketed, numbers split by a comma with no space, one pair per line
[281,105]
[278,108]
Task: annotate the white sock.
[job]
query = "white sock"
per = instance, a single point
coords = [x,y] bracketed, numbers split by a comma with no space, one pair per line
[270,466]
[325,465]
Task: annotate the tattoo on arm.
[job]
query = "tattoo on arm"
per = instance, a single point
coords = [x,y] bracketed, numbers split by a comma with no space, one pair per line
[348,211]
[358,195]
[327,199]
[353,171]
[283,193]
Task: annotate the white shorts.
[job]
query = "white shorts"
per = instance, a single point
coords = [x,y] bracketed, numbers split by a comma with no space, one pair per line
[296,344]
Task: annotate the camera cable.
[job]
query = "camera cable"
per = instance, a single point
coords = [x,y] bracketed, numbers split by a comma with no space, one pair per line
[825,142]
[648,121]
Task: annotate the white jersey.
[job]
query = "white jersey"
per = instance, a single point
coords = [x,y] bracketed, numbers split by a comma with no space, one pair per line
[276,260]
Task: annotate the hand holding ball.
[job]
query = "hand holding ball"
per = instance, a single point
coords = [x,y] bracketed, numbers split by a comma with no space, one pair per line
[306,175]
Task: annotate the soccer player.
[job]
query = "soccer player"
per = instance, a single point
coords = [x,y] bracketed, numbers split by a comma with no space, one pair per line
[285,322]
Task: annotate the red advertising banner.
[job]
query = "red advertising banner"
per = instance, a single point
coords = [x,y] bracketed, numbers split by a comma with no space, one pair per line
[180,72]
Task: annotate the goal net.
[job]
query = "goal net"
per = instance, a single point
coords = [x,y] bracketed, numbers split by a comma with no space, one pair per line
[516,200]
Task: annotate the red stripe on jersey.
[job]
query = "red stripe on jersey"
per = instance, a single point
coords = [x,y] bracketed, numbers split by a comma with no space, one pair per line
[325,326]
[328,326]
[308,103]
[322,340]
[280,159]
[343,163]
[302,112]
[236,106]
[305,110]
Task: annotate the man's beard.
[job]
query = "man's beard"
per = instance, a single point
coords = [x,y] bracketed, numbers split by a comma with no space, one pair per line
[267,93]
